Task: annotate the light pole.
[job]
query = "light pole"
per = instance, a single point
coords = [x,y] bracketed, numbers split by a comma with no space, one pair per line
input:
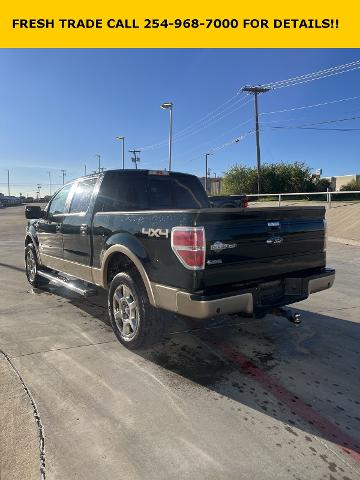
[63,175]
[99,159]
[123,150]
[50,184]
[169,106]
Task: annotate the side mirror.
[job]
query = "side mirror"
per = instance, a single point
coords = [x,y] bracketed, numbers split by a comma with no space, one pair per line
[33,212]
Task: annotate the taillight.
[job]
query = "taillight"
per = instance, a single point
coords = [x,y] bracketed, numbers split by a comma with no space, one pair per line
[245,202]
[188,244]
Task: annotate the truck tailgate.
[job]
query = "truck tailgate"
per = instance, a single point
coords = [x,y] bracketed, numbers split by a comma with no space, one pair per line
[246,244]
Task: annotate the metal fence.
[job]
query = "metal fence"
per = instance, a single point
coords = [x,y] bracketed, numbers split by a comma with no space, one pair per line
[330,197]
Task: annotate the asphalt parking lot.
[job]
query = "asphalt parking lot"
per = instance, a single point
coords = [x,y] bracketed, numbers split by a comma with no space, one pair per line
[233,399]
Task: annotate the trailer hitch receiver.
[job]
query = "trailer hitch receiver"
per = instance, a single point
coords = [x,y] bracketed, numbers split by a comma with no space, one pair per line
[288,314]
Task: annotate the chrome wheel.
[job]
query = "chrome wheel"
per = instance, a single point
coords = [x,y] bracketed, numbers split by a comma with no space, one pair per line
[126,312]
[31,265]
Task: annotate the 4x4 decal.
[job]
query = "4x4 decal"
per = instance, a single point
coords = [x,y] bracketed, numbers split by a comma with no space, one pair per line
[155,232]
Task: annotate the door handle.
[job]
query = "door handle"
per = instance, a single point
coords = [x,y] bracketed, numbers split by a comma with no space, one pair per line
[83,229]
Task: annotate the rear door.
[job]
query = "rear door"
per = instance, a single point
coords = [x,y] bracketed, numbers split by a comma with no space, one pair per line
[77,225]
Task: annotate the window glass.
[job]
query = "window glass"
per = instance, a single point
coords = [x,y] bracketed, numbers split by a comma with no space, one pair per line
[58,203]
[140,191]
[189,193]
[81,199]
[160,194]
[122,192]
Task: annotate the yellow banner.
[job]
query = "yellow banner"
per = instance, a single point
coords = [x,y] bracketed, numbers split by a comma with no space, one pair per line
[181,24]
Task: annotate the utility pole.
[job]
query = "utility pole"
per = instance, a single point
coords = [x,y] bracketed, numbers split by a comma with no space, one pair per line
[135,159]
[255,91]
[99,159]
[85,169]
[63,175]
[8,182]
[50,184]
[206,170]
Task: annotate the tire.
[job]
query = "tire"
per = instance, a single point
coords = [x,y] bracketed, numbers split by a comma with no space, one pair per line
[136,323]
[32,267]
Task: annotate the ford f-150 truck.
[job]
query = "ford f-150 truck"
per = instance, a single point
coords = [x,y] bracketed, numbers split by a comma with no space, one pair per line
[151,239]
[229,201]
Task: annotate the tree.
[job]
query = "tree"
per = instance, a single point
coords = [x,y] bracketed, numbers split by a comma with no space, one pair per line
[275,178]
[352,186]
[321,184]
[239,179]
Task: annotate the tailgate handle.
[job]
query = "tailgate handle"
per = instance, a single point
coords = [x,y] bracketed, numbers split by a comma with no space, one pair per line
[273,226]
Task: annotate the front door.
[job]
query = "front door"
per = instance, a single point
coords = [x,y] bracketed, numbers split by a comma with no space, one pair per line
[49,229]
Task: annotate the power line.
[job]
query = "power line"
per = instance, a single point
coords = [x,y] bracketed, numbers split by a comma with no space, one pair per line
[324,129]
[205,122]
[336,70]
[331,102]
[316,123]
[212,150]
[213,122]
[201,146]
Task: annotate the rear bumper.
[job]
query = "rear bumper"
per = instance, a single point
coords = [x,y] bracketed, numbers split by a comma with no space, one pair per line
[259,298]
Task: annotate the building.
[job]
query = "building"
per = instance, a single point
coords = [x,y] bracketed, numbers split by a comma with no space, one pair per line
[343,180]
[213,185]
[340,181]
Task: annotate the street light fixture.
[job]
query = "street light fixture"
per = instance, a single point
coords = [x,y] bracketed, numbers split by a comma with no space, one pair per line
[123,150]
[169,106]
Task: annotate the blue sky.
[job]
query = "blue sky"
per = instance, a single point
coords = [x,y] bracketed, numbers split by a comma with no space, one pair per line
[59,108]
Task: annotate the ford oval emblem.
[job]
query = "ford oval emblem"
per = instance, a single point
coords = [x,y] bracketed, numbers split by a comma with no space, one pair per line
[274,240]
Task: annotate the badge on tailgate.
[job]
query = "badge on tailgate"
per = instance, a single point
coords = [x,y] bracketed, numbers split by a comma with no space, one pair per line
[219,246]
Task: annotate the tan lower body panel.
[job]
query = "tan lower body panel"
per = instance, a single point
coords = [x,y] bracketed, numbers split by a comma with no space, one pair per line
[83,272]
[321,283]
[176,300]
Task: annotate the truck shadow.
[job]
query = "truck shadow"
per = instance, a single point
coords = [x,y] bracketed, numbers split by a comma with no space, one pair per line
[306,378]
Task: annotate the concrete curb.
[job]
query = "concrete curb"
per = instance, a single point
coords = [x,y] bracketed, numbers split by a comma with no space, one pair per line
[22,446]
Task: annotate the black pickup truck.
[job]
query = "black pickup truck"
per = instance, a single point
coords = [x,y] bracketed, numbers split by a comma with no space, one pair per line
[229,201]
[151,239]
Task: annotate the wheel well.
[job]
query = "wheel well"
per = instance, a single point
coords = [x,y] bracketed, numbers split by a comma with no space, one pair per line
[117,263]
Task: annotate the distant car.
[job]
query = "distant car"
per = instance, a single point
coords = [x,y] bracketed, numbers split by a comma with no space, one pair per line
[229,201]
[2,205]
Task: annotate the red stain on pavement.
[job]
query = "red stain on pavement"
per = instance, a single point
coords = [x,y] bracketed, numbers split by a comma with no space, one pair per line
[329,430]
